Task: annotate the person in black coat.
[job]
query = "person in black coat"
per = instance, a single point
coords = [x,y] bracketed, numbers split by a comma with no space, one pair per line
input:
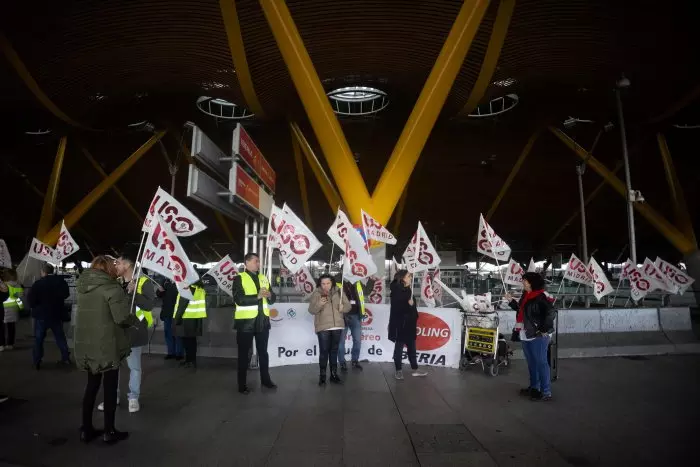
[47,301]
[403,320]
[535,323]
[168,293]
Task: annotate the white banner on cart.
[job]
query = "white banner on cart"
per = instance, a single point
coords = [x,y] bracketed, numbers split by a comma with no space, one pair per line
[294,342]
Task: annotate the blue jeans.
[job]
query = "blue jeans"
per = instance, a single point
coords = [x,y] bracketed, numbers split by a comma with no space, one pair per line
[537,365]
[174,343]
[41,327]
[354,324]
[133,361]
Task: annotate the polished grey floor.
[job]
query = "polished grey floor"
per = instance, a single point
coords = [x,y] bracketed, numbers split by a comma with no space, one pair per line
[623,412]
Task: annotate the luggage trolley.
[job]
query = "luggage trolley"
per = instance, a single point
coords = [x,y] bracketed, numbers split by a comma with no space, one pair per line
[482,343]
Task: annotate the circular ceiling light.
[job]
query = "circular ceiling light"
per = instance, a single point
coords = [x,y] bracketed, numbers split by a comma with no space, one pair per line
[496,106]
[222,109]
[39,132]
[358,100]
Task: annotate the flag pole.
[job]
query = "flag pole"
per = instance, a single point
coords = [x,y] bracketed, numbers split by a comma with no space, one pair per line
[138,267]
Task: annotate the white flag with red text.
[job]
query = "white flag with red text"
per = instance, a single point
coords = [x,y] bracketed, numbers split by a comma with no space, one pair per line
[378,292]
[274,224]
[576,271]
[179,219]
[601,284]
[426,290]
[296,242]
[657,278]
[681,279]
[532,267]
[640,286]
[65,246]
[437,290]
[342,229]
[164,254]
[420,255]
[514,274]
[224,272]
[5,259]
[374,230]
[357,263]
[304,282]
[479,303]
[490,244]
[42,251]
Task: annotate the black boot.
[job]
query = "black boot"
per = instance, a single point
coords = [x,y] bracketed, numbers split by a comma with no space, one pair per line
[334,375]
[114,436]
[356,366]
[344,367]
[88,434]
[322,377]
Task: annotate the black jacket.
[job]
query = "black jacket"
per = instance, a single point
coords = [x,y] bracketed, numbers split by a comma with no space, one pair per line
[351,292]
[538,315]
[261,322]
[169,297]
[47,296]
[403,317]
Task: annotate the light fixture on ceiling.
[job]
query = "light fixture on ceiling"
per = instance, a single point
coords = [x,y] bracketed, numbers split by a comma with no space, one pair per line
[39,132]
[496,106]
[685,127]
[222,109]
[504,83]
[571,122]
[358,100]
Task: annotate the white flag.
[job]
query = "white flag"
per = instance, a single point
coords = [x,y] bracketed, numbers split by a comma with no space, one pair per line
[640,286]
[479,303]
[577,271]
[423,255]
[411,249]
[375,230]
[490,244]
[682,280]
[514,274]
[163,254]
[342,229]
[304,282]
[437,290]
[626,269]
[274,224]
[378,292]
[600,282]
[5,260]
[180,220]
[393,269]
[657,278]
[426,290]
[296,242]
[224,272]
[358,263]
[42,251]
[66,246]
[532,267]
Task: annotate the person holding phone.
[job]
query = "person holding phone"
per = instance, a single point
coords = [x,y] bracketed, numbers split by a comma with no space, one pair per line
[329,307]
[403,319]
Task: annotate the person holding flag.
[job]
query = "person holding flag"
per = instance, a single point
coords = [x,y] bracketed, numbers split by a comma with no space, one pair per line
[252,297]
[189,318]
[403,320]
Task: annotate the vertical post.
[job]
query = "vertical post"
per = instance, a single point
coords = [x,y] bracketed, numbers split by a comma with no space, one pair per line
[246,234]
[254,238]
[580,170]
[628,180]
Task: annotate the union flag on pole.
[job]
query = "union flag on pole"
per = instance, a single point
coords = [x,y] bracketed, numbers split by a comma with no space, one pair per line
[489,244]
[375,230]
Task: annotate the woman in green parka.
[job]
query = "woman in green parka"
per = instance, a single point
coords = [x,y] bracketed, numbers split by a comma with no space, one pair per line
[101,342]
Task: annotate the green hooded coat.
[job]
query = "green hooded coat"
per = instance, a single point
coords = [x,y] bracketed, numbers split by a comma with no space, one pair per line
[101,322]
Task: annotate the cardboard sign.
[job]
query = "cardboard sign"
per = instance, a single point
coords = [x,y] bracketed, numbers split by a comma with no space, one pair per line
[179,219]
[65,246]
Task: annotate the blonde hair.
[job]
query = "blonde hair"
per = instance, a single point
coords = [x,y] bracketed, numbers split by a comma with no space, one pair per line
[104,263]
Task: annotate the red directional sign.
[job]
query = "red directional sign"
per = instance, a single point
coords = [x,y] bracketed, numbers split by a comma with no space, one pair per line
[244,147]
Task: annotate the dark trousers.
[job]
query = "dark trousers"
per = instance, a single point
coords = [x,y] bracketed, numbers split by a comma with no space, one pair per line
[190,345]
[245,344]
[41,327]
[328,342]
[111,378]
[173,342]
[11,327]
[410,349]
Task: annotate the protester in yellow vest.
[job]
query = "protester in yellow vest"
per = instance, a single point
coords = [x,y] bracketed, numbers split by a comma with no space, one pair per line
[12,306]
[189,321]
[353,323]
[252,297]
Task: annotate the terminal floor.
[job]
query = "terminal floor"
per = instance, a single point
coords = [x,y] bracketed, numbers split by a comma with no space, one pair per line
[616,411]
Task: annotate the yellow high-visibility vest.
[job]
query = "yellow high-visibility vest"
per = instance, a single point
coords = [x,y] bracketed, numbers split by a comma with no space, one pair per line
[360,296]
[250,312]
[14,300]
[141,313]
[197,307]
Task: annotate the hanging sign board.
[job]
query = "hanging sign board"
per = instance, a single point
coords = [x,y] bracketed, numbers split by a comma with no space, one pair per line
[247,190]
[243,147]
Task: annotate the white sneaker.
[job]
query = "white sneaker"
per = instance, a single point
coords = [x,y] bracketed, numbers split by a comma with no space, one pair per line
[419,373]
[398,375]
[134,406]
[101,407]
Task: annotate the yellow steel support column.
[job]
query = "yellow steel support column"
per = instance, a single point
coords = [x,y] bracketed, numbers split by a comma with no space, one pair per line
[327,187]
[49,208]
[115,188]
[301,177]
[31,83]
[86,203]
[324,122]
[498,37]
[425,113]
[240,62]
[224,226]
[587,201]
[680,208]
[668,230]
[513,172]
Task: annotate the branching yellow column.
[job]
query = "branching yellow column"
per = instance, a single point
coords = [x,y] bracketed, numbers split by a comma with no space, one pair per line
[49,208]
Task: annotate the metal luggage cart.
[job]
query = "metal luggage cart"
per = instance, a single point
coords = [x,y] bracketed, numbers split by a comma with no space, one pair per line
[482,343]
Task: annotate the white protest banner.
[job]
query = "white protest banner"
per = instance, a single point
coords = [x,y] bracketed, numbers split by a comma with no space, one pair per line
[657,278]
[426,290]
[163,254]
[65,246]
[532,267]
[576,271]
[423,255]
[180,220]
[342,229]
[600,282]
[5,260]
[296,242]
[304,282]
[377,294]
[294,342]
[374,230]
[224,272]
[639,285]
[682,280]
[514,274]
[437,290]
[273,226]
[490,244]
[480,303]
[42,252]
[358,263]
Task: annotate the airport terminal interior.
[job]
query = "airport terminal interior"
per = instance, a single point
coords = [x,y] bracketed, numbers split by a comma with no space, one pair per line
[513,182]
